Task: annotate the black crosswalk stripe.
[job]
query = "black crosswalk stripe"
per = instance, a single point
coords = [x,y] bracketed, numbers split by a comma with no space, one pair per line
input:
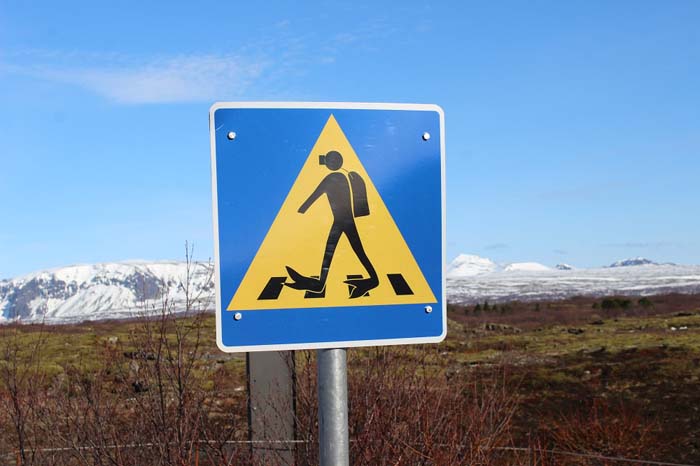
[398,283]
[273,288]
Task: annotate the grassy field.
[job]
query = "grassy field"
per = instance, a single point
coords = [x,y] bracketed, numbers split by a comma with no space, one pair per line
[585,365]
[616,377]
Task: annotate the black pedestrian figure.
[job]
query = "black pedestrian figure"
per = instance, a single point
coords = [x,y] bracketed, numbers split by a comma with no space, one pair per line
[347,197]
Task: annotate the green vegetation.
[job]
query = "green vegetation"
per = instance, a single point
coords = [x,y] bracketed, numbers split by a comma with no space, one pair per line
[645,302]
[614,303]
[615,378]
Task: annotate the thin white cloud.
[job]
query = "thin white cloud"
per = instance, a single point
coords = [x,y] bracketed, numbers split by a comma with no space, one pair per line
[187,78]
[283,23]
[270,67]
[181,79]
[643,244]
[345,38]
[496,246]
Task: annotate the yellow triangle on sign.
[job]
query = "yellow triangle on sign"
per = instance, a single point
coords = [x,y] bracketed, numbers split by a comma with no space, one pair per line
[371,263]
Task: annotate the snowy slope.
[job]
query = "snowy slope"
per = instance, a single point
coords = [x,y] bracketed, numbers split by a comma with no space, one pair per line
[99,291]
[525,267]
[631,277]
[126,289]
[632,262]
[469,265]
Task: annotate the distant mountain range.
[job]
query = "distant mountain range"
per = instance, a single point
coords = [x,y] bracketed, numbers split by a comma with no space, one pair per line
[472,279]
[635,261]
[469,265]
[128,289]
[100,291]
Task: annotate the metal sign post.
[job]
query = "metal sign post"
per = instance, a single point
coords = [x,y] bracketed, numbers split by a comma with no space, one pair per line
[271,406]
[333,407]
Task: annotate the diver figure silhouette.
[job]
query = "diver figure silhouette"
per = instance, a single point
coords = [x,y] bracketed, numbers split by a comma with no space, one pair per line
[348,199]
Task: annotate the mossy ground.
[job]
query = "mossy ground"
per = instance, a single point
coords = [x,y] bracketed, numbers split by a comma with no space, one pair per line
[645,358]
[557,357]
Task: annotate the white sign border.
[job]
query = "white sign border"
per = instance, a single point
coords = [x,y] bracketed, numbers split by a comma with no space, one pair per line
[215,213]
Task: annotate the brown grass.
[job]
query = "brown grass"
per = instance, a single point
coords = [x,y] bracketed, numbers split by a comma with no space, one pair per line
[405,411]
[162,395]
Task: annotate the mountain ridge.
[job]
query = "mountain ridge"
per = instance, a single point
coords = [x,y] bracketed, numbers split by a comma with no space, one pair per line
[99,291]
[631,262]
[117,290]
[637,276]
[467,265]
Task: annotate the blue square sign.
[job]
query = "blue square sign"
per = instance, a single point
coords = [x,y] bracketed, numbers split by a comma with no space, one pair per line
[329,224]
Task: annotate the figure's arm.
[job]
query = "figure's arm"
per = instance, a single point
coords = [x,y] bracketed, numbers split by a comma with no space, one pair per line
[312,198]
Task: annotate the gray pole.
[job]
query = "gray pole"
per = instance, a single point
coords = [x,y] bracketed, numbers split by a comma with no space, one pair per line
[271,406]
[333,407]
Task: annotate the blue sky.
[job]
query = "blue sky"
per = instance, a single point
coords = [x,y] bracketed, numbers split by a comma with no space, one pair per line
[572,127]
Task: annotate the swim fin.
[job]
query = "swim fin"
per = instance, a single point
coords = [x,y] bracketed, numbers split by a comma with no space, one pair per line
[301,282]
[360,286]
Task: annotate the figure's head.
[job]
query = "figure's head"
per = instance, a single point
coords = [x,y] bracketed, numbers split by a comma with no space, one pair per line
[332,160]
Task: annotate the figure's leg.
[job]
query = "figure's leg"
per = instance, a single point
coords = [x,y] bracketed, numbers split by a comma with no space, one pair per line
[331,244]
[354,239]
[316,285]
[360,286]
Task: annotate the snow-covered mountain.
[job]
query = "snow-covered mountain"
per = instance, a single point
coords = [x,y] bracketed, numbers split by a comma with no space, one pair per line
[525,267]
[637,276]
[128,289]
[632,262]
[470,265]
[100,291]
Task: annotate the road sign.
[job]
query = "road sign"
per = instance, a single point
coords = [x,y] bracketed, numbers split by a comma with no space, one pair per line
[328,224]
